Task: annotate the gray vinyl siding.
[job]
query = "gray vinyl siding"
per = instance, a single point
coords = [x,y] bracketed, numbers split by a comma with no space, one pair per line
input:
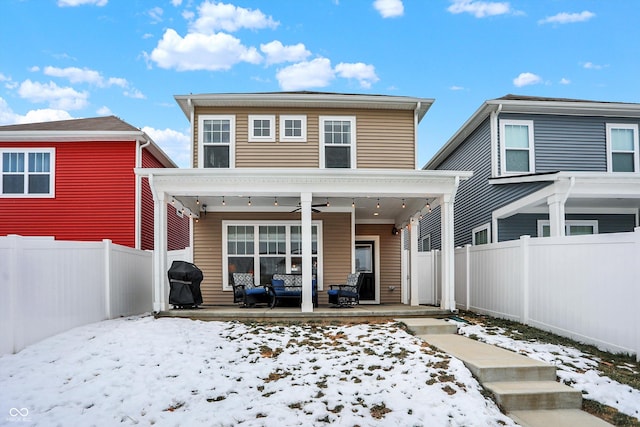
[527,224]
[476,198]
[569,143]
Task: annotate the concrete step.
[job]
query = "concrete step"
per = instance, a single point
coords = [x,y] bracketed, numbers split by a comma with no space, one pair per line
[534,395]
[489,363]
[557,418]
[422,325]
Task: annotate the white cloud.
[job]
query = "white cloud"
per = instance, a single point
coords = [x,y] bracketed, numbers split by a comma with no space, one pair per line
[220,16]
[9,117]
[174,143]
[76,75]
[202,52]
[64,98]
[592,66]
[480,9]
[567,18]
[155,14]
[389,8]
[104,111]
[306,75]
[526,79]
[455,87]
[134,93]
[565,81]
[364,73]
[277,53]
[176,3]
[72,3]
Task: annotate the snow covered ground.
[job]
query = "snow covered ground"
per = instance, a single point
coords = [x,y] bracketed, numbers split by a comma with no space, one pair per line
[178,372]
[574,368]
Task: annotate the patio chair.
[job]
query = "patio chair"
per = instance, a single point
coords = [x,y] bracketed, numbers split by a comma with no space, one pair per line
[347,295]
[247,294]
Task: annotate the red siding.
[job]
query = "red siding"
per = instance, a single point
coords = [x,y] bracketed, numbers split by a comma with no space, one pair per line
[94,195]
[177,228]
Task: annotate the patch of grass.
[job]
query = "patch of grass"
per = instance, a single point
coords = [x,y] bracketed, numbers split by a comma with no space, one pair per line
[608,414]
[379,411]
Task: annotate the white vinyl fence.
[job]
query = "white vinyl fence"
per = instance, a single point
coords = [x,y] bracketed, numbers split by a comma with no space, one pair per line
[49,286]
[582,287]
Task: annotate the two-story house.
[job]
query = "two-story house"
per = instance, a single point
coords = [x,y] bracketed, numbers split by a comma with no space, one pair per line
[317,184]
[74,180]
[542,167]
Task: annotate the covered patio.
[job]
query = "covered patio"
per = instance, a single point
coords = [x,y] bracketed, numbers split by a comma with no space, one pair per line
[394,199]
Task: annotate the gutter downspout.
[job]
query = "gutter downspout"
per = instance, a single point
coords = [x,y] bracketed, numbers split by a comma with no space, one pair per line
[415,132]
[142,143]
[192,113]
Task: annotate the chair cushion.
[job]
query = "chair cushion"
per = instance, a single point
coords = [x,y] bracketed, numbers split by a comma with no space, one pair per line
[256,291]
[278,284]
[333,292]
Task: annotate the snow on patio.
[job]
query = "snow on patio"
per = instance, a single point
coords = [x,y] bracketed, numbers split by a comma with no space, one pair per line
[176,372]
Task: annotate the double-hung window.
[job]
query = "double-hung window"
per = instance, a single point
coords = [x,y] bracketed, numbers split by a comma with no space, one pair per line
[27,172]
[266,248]
[262,128]
[216,137]
[622,147]
[337,142]
[516,147]
[293,128]
[481,235]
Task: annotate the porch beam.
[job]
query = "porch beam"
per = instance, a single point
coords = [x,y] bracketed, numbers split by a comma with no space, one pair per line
[307,267]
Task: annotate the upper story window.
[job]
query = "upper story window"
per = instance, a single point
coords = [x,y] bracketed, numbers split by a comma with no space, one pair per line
[27,172]
[516,147]
[262,128]
[622,147]
[337,141]
[293,128]
[216,141]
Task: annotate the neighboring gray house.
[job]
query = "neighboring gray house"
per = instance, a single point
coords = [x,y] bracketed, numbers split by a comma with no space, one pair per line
[541,167]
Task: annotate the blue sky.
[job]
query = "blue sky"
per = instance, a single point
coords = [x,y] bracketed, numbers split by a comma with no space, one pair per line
[62,59]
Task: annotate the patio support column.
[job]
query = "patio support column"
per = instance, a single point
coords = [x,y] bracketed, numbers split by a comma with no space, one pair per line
[447,301]
[414,231]
[159,251]
[307,266]
[556,215]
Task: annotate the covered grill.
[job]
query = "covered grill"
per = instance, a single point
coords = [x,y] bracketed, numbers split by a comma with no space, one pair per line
[184,282]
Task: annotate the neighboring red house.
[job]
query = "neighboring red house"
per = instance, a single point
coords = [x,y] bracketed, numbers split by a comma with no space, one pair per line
[74,180]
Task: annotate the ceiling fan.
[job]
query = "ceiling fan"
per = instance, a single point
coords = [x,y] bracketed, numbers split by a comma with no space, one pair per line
[313,207]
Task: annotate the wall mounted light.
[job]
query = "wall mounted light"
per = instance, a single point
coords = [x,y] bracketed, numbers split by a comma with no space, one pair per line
[394,231]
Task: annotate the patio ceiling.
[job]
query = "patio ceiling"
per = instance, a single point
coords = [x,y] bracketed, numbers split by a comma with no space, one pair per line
[376,195]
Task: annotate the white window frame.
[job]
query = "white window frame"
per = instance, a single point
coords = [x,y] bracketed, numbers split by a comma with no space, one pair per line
[425,238]
[478,229]
[567,225]
[51,173]
[636,149]
[503,147]
[303,120]
[272,128]
[352,120]
[226,286]
[232,137]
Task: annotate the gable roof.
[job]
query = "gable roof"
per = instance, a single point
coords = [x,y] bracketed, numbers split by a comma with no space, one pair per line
[532,105]
[107,128]
[304,99]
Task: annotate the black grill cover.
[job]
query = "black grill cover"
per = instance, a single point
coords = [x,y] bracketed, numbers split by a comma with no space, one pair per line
[184,281]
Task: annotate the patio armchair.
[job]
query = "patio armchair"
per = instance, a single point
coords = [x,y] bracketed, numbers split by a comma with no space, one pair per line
[289,287]
[348,294]
[247,294]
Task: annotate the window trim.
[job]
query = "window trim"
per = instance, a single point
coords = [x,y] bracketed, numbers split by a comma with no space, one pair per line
[256,238]
[321,121]
[567,224]
[283,137]
[27,151]
[232,137]
[503,147]
[477,230]
[272,128]
[636,147]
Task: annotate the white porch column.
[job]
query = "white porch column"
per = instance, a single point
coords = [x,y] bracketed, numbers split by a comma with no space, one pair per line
[556,215]
[414,231]
[160,279]
[404,276]
[307,267]
[447,245]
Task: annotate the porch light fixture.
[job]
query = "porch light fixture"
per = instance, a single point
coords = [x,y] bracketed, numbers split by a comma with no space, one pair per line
[353,203]
[328,204]
[204,209]
[223,202]
[249,203]
[378,204]
[275,201]
[197,200]
[394,231]
[403,205]
[173,201]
